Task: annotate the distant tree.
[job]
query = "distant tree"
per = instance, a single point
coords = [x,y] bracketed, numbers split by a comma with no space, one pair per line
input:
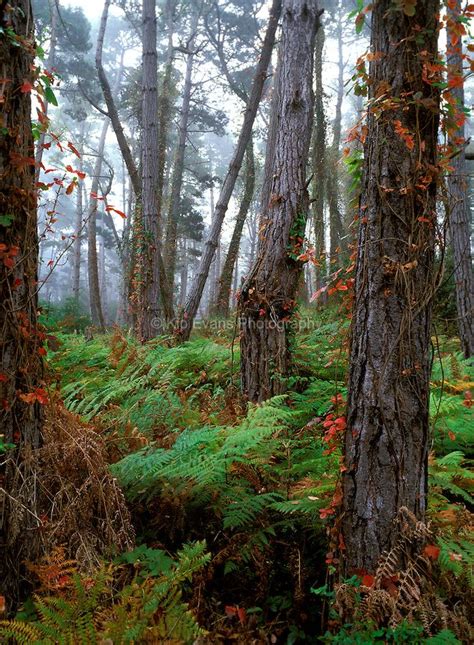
[267,300]
[195,294]
[21,369]
[387,435]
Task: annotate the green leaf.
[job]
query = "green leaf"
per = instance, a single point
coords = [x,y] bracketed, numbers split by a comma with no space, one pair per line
[6,220]
[50,96]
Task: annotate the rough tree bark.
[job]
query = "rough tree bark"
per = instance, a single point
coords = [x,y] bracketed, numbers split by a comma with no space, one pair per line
[268,296]
[386,440]
[21,366]
[197,287]
[125,149]
[178,164]
[225,281]
[459,212]
[150,322]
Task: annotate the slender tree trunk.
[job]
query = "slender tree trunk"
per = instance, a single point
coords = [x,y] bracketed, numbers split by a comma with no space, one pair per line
[387,435]
[227,188]
[268,296]
[319,161]
[332,178]
[78,224]
[178,165]
[92,260]
[20,363]
[458,207]
[165,120]
[151,323]
[184,275]
[110,103]
[223,298]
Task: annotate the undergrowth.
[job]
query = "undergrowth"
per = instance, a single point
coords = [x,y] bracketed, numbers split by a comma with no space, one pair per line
[257,485]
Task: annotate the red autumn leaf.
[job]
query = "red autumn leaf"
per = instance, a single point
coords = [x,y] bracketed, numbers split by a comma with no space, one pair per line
[368,580]
[456,81]
[432,551]
[69,168]
[242,614]
[8,262]
[28,398]
[26,87]
[230,610]
[115,210]
[451,435]
[73,149]
[42,351]
[70,188]
[80,174]
[3,378]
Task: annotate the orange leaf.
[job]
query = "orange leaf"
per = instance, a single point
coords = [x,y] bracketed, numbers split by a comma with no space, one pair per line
[26,87]
[73,149]
[432,551]
[368,580]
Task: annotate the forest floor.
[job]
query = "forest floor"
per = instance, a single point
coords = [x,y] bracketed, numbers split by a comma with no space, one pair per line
[234,508]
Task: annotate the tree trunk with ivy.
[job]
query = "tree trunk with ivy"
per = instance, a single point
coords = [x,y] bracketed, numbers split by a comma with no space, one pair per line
[21,393]
[459,212]
[387,434]
[267,301]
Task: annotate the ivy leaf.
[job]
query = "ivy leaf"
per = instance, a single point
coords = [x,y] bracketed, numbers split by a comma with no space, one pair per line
[50,96]
[6,220]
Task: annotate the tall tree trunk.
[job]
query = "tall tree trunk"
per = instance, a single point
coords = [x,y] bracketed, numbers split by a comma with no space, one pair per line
[92,260]
[78,224]
[20,363]
[123,143]
[178,165]
[387,435]
[227,188]
[184,275]
[268,295]
[332,178]
[151,324]
[164,124]
[211,280]
[458,207]
[319,161]
[223,297]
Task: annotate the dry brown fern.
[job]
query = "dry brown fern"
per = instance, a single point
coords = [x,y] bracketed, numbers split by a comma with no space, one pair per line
[82,504]
[405,587]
